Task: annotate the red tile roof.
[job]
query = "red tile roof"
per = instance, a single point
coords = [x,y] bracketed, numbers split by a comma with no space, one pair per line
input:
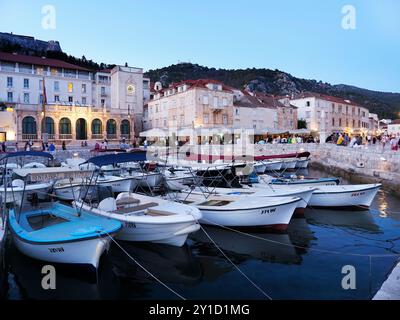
[326,97]
[397,121]
[10,57]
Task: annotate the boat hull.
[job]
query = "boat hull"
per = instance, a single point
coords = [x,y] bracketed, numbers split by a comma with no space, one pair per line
[273,165]
[346,199]
[174,234]
[67,193]
[86,252]
[306,182]
[289,164]
[16,195]
[276,217]
[148,181]
[120,185]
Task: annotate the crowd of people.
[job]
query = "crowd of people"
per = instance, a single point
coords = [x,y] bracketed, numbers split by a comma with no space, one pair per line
[358,140]
[289,139]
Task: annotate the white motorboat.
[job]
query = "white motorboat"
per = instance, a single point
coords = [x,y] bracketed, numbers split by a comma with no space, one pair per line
[236,211]
[273,165]
[17,188]
[302,163]
[148,218]
[344,196]
[265,179]
[304,193]
[145,179]
[117,184]
[288,164]
[259,167]
[68,190]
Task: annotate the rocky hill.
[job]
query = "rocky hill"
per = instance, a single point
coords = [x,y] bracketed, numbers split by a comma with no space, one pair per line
[385,104]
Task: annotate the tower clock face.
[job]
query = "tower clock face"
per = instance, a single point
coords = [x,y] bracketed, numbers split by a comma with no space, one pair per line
[130,89]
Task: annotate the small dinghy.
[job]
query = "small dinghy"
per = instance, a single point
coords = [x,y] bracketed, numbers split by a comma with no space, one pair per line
[236,211]
[146,179]
[68,190]
[58,234]
[147,218]
[346,197]
[289,164]
[273,165]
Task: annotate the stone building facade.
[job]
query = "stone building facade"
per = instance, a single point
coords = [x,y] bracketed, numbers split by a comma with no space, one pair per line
[54,100]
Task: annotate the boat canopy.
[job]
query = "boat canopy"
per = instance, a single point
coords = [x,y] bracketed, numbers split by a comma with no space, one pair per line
[28,153]
[58,173]
[108,159]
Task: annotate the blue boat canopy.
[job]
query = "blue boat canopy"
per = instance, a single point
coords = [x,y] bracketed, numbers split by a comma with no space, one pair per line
[28,153]
[108,159]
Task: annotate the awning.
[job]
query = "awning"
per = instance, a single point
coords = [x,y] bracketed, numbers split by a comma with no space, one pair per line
[28,153]
[118,158]
[154,133]
[57,173]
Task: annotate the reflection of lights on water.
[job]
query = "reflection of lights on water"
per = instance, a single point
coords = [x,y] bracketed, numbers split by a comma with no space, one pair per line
[383,205]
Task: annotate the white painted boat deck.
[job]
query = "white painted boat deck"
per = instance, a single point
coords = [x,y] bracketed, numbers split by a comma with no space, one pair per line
[390,289]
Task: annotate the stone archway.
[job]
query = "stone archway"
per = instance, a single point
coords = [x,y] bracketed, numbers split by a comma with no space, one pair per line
[81,129]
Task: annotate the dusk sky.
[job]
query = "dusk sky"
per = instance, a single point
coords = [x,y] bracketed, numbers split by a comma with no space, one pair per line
[304,38]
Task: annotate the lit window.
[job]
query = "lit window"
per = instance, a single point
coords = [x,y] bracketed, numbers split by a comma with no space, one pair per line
[70,87]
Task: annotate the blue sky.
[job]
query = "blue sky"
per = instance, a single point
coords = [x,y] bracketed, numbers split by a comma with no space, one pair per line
[304,38]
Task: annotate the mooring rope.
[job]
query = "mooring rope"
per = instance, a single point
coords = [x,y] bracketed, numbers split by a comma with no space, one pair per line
[147,271]
[237,268]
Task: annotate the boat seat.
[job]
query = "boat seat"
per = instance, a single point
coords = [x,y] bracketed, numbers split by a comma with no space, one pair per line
[127,200]
[155,212]
[136,208]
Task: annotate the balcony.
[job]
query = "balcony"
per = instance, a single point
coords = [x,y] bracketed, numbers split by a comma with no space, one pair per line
[67,136]
[96,136]
[111,136]
[29,136]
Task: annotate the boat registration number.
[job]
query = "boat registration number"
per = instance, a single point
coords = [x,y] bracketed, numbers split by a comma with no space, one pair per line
[130,225]
[268,211]
[357,194]
[56,250]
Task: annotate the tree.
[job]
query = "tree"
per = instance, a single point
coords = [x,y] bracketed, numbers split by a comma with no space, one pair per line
[301,124]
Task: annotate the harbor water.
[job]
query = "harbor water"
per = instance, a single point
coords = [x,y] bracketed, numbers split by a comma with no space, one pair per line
[306,262]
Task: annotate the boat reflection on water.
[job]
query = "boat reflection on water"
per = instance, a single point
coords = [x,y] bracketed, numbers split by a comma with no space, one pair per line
[354,220]
[242,245]
[26,277]
[173,265]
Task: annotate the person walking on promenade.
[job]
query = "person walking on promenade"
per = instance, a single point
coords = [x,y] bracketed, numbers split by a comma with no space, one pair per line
[63,146]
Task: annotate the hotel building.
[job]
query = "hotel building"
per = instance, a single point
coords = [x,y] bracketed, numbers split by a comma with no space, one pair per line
[43,98]
[209,104]
[330,114]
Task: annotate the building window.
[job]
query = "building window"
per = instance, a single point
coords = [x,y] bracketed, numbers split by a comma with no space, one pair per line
[56,98]
[215,102]
[333,122]
[70,99]
[205,100]
[10,97]
[65,126]
[56,86]
[224,119]
[224,102]
[26,97]
[9,82]
[237,111]
[83,88]
[97,126]
[103,91]
[308,103]
[340,122]
[41,98]
[205,119]
[40,84]
[103,102]
[84,101]
[26,83]
[70,87]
